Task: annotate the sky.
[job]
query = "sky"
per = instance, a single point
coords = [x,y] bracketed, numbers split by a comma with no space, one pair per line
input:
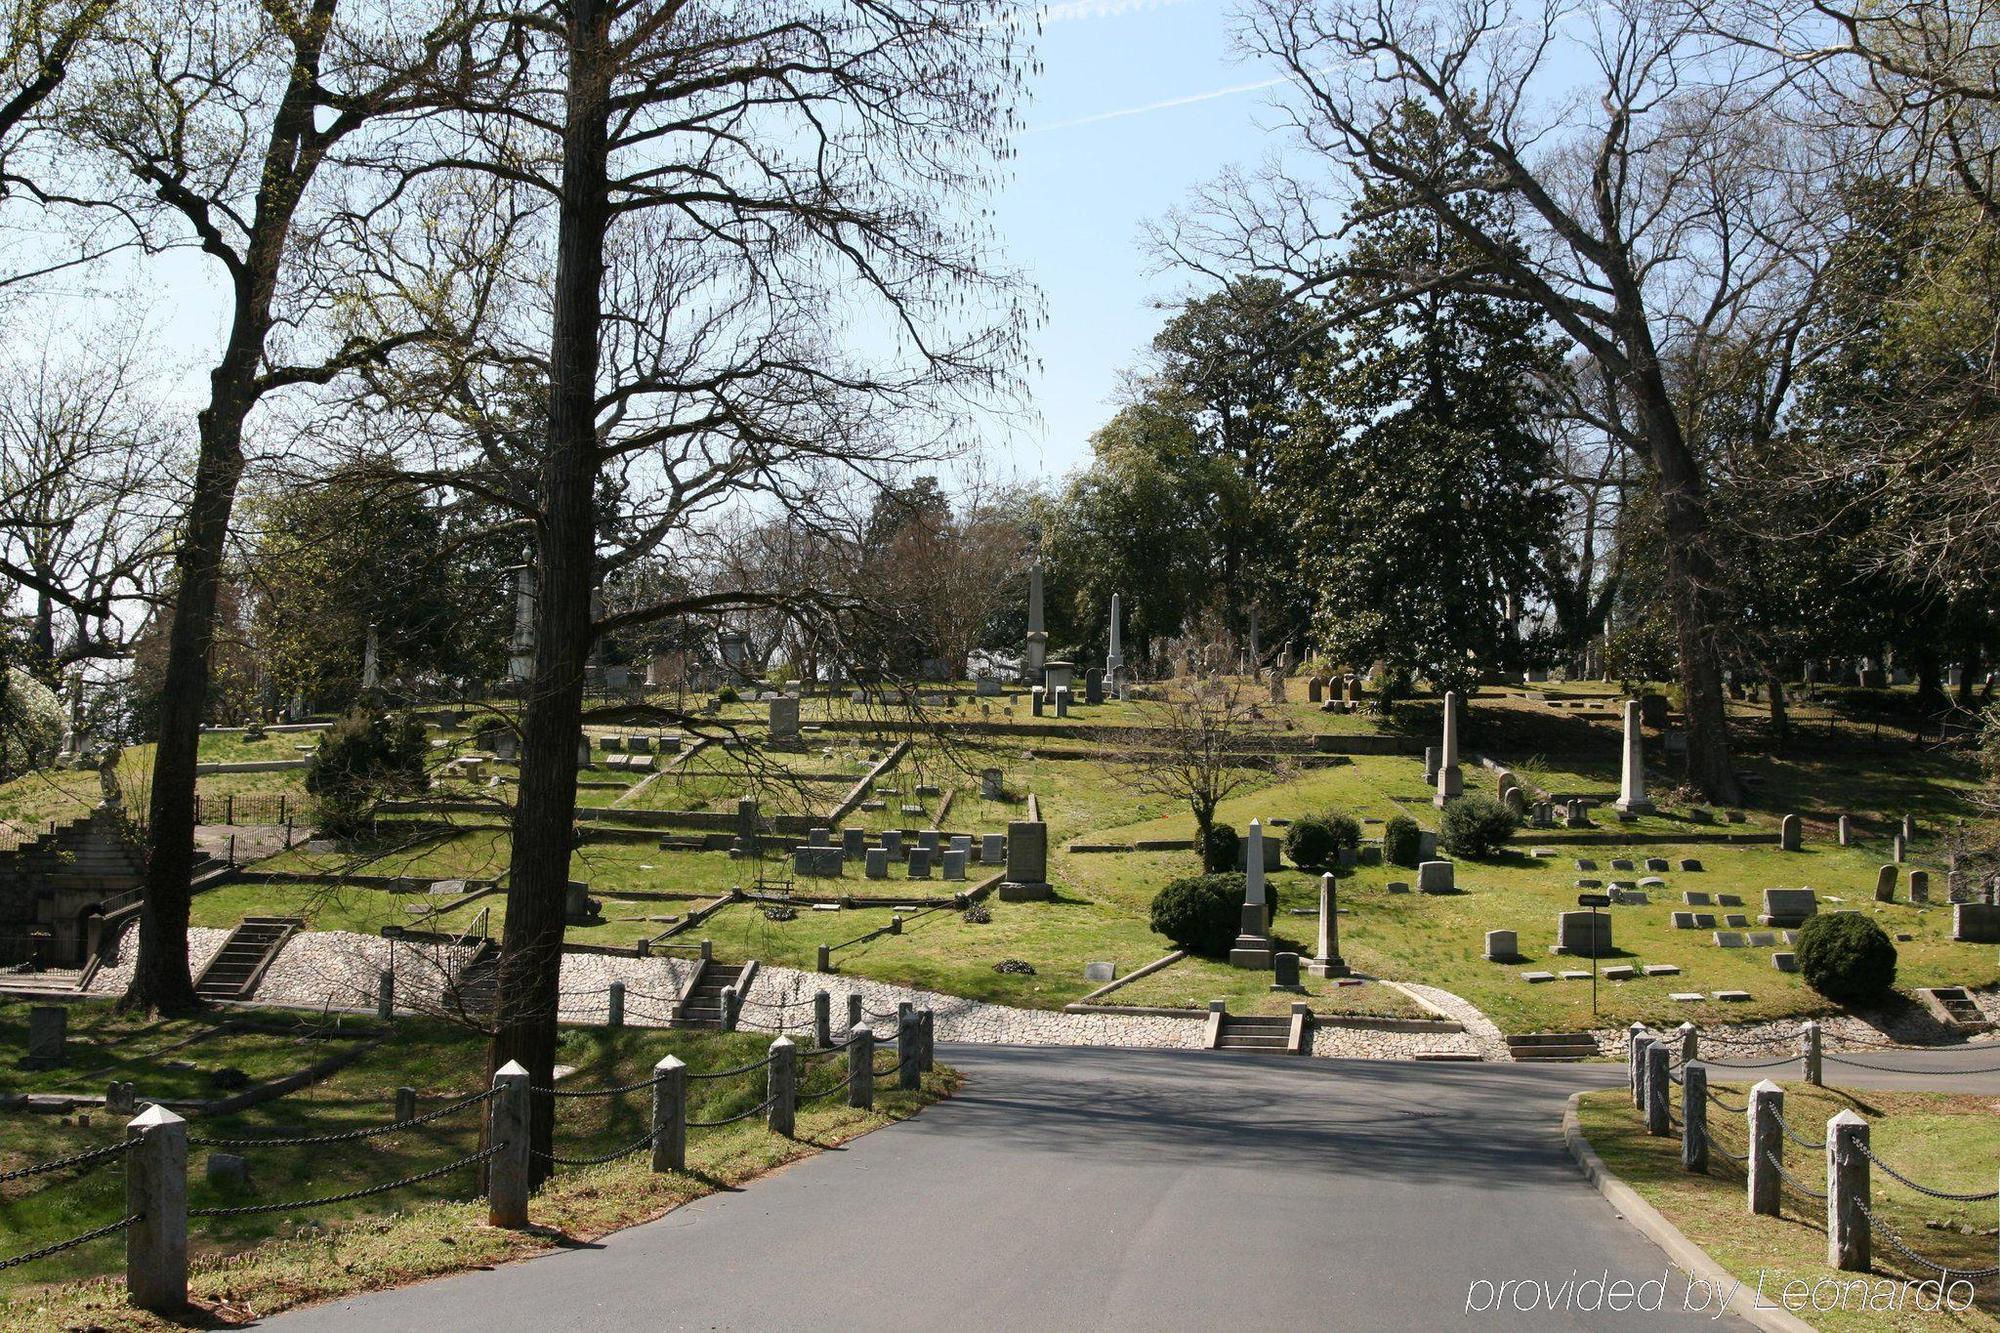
[1140,101]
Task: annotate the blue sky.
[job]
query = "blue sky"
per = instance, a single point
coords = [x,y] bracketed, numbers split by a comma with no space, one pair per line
[1139,102]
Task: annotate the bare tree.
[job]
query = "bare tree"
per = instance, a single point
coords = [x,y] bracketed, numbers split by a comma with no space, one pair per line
[89,485]
[1650,215]
[249,134]
[1196,742]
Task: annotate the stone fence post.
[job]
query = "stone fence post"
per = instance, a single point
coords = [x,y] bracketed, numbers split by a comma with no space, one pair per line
[1659,1091]
[614,1005]
[783,1087]
[385,995]
[822,1020]
[1809,1052]
[1694,1117]
[156,1194]
[928,1027]
[853,1012]
[1640,1040]
[824,962]
[728,1015]
[670,1130]
[861,1067]
[909,1054]
[1690,1039]
[507,1170]
[1847,1192]
[1767,1146]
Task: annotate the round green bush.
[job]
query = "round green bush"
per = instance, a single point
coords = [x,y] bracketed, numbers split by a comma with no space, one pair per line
[1402,841]
[1200,913]
[1309,843]
[1845,956]
[1218,853]
[1476,826]
[1346,830]
[364,758]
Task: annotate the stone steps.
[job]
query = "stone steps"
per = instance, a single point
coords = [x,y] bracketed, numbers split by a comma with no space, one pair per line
[702,1006]
[1255,1033]
[1550,1046]
[234,971]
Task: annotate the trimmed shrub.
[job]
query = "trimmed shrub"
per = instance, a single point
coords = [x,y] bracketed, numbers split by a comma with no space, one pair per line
[1309,843]
[1346,830]
[1401,840]
[1476,826]
[1846,956]
[727,695]
[362,759]
[1219,852]
[1200,913]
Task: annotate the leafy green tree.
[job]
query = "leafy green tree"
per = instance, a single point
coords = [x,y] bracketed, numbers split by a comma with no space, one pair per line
[1420,497]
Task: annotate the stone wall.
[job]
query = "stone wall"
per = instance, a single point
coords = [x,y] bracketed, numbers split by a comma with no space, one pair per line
[49,887]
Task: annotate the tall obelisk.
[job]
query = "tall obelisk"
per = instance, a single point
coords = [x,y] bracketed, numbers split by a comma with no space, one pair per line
[1114,659]
[1038,637]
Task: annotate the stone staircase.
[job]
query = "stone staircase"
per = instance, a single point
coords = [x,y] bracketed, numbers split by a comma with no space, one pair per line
[234,972]
[1545,1047]
[476,987]
[1955,1007]
[701,1007]
[1278,1033]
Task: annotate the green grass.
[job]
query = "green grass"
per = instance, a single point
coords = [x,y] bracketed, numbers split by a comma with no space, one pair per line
[440,1061]
[1193,982]
[1948,1142]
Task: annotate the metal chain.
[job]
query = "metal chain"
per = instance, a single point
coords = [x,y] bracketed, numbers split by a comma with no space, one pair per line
[1789,1178]
[760,1107]
[70,1244]
[732,1073]
[1955,1274]
[1760,1064]
[1676,1079]
[80,1159]
[1793,1136]
[1897,1069]
[1716,1097]
[198,1141]
[599,1092]
[250,1210]
[611,1156]
[1925,1189]
[893,1066]
[878,1015]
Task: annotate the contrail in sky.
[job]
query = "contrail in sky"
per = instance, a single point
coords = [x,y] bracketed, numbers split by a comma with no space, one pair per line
[1171,102]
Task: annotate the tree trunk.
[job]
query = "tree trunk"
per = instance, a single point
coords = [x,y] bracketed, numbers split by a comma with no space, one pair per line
[161,980]
[1930,684]
[1967,669]
[552,710]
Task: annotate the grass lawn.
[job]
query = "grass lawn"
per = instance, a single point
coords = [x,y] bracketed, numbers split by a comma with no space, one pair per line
[290,1256]
[1949,1142]
[1193,982]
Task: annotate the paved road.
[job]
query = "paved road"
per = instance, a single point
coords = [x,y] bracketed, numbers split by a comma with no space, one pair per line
[1119,1189]
[1974,1069]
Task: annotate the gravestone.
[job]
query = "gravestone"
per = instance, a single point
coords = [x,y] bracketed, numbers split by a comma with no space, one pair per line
[640,744]
[1062,703]
[1326,960]
[1315,690]
[1502,946]
[953,862]
[853,842]
[1587,882]
[577,905]
[814,861]
[1285,966]
[228,1171]
[1845,831]
[1658,864]
[892,842]
[1729,939]
[1704,921]
[1252,947]
[992,785]
[48,1032]
[1788,907]
[1690,866]
[1632,799]
[1909,829]
[1621,863]
[878,863]
[819,837]
[1516,802]
[1436,877]
[1682,920]
[1651,882]
[1430,766]
[1896,849]
[784,718]
[1763,939]
[1785,961]
[1920,883]
[1427,845]
[1585,863]
[1735,920]
[986,687]
[583,751]
[1027,861]
[1729,900]
[612,744]
[928,840]
[1584,934]
[1695,898]
[1037,700]
[992,848]
[1975,923]
[1100,972]
[1791,833]
[919,864]
[1093,686]
[1885,885]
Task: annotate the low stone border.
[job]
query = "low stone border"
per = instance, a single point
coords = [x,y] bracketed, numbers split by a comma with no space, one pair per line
[1353,1022]
[1689,1257]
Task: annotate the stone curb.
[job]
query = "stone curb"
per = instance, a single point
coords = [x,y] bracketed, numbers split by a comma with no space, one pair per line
[1689,1257]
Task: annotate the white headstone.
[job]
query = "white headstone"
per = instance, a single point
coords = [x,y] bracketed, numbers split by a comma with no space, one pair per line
[1253,865]
[1632,783]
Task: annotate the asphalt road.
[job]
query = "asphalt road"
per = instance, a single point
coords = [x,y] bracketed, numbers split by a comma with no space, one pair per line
[1974,1069]
[1120,1189]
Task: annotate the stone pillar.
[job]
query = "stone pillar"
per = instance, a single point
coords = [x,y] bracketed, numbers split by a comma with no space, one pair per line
[1847,1192]
[909,1065]
[1450,784]
[1037,647]
[406,1105]
[1253,942]
[1659,1090]
[728,1015]
[156,1193]
[824,963]
[822,1020]
[1694,1118]
[783,1088]
[1326,960]
[1846,833]
[860,1067]
[1640,1041]
[1114,658]
[614,1005]
[854,1023]
[1690,1042]
[385,995]
[507,1173]
[1767,1146]
[927,1023]
[670,1115]
[1632,782]
[1809,1052]
[1791,834]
